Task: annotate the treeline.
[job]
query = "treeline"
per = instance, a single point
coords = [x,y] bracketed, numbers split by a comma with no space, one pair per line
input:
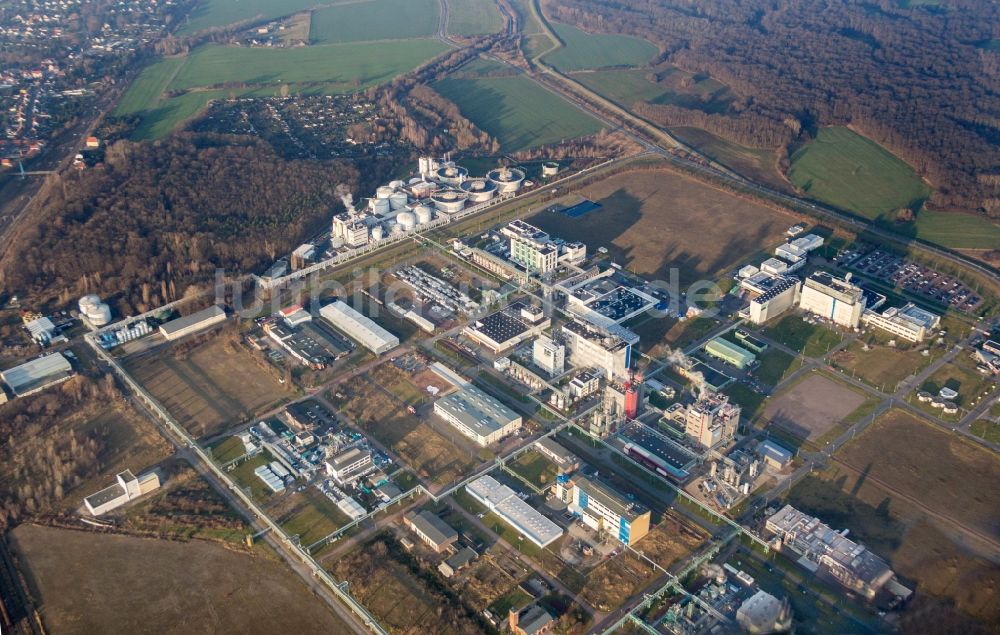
[918,81]
[430,122]
[747,128]
[160,217]
[602,145]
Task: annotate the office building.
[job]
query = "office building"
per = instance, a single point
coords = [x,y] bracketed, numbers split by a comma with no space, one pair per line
[126,488]
[433,531]
[603,508]
[37,374]
[508,327]
[549,355]
[782,294]
[477,415]
[712,420]
[198,321]
[828,553]
[350,465]
[530,247]
[834,299]
[505,503]
[908,322]
[590,347]
[359,328]
[730,353]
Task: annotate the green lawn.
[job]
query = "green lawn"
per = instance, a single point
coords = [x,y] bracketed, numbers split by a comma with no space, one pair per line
[749,401]
[849,171]
[218,13]
[955,231]
[146,91]
[988,430]
[518,112]
[812,340]
[313,517]
[582,50]
[228,449]
[534,468]
[971,386]
[880,366]
[473,17]
[775,365]
[374,20]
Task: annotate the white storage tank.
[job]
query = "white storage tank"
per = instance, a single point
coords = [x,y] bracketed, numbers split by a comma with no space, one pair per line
[377,232]
[452,174]
[384,191]
[406,220]
[424,214]
[550,168]
[381,206]
[479,190]
[396,184]
[398,200]
[507,180]
[448,201]
[337,242]
[94,310]
[396,229]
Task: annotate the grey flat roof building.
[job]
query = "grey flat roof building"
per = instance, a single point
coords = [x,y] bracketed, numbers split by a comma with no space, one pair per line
[477,415]
[37,374]
[197,321]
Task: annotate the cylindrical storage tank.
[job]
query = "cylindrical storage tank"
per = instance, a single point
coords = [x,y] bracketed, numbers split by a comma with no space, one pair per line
[507,180]
[88,302]
[448,201]
[337,242]
[550,168]
[381,206]
[384,191]
[406,220]
[377,232]
[424,214]
[396,184]
[396,228]
[398,200]
[479,190]
[452,175]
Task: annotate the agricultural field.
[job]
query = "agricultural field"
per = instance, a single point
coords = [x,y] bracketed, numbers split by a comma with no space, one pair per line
[374,20]
[653,220]
[473,17]
[219,13]
[518,112]
[209,388]
[583,50]
[614,581]
[812,340]
[955,231]
[846,170]
[89,583]
[754,163]
[146,91]
[659,86]
[813,407]
[880,366]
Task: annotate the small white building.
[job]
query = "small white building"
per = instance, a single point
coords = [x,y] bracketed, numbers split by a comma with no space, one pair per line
[549,355]
[127,488]
[198,321]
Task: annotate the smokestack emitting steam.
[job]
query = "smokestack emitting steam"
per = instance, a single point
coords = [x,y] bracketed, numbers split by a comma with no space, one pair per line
[677,358]
[344,193]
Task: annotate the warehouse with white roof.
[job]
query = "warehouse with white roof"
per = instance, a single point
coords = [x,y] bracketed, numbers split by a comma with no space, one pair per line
[359,328]
[198,321]
[36,375]
[477,415]
[505,503]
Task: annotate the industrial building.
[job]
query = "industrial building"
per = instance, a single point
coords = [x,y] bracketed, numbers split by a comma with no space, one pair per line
[712,420]
[530,620]
[359,328]
[828,553]
[530,247]
[585,384]
[549,355]
[730,353]
[834,299]
[350,465]
[38,374]
[603,508]
[198,321]
[564,460]
[433,531]
[306,343]
[498,266]
[477,415]
[590,347]
[505,503]
[750,342]
[774,456]
[908,322]
[508,327]
[781,295]
[126,488]
[763,613]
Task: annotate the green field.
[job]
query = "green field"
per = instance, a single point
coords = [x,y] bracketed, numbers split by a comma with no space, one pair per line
[518,112]
[145,92]
[956,231]
[218,13]
[374,20]
[582,50]
[675,87]
[812,340]
[473,17]
[849,171]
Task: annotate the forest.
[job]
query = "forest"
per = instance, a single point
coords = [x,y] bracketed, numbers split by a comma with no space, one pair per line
[159,217]
[919,80]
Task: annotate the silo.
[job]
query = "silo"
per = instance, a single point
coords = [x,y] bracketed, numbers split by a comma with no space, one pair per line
[377,233]
[479,190]
[396,229]
[550,168]
[381,206]
[406,220]
[398,200]
[384,191]
[396,184]
[423,214]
